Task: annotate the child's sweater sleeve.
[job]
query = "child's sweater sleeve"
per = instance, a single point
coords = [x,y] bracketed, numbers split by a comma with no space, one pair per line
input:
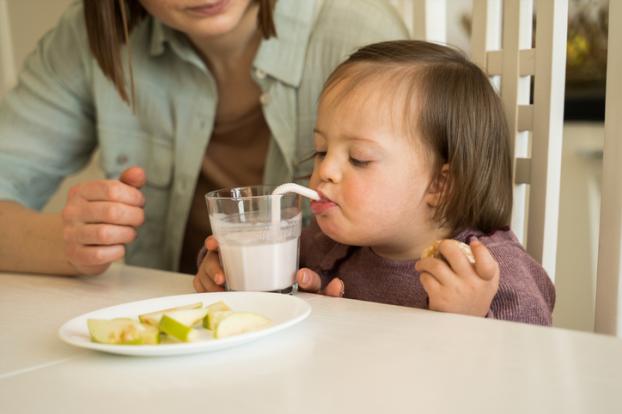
[320,253]
[526,293]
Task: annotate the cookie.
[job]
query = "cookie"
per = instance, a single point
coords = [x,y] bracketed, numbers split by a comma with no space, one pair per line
[432,251]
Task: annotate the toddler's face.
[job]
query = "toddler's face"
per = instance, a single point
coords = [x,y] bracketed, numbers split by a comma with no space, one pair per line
[373,178]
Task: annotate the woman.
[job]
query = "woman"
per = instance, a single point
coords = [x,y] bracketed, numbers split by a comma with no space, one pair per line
[205,94]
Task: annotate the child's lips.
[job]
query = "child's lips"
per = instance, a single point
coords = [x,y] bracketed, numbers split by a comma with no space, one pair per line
[322,205]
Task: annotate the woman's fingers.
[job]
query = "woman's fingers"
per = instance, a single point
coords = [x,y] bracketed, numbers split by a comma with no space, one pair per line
[109,190]
[88,256]
[104,212]
[99,234]
[134,176]
[308,280]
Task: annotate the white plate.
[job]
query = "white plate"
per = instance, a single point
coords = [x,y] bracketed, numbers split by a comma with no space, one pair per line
[283,310]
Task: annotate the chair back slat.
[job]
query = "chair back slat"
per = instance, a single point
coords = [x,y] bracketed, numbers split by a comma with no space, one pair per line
[608,309]
[536,128]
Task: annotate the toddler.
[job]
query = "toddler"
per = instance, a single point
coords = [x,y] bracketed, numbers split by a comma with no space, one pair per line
[412,146]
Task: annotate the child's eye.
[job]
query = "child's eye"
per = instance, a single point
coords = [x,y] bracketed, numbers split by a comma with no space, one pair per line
[319,154]
[359,163]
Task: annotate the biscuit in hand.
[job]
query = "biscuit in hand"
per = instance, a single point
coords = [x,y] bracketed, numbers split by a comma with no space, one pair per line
[432,251]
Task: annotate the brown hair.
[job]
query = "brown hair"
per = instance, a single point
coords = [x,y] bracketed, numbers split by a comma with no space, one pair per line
[450,102]
[110,22]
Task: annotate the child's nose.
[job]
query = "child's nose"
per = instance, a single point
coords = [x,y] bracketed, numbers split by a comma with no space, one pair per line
[329,170]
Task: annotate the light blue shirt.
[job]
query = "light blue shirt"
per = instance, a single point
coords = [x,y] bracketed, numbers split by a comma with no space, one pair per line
[64,107]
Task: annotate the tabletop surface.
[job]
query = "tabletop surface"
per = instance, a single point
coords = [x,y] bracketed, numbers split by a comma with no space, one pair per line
[348,356]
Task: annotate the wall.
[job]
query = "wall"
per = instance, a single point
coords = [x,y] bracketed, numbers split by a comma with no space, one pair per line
[29,21]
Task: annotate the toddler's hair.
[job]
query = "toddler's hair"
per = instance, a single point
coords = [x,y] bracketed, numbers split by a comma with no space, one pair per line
[448,102]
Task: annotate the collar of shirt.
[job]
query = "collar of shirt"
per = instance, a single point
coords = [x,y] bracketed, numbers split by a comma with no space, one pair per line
[280,57]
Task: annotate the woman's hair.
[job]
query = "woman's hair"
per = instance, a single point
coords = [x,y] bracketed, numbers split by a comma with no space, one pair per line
[110,22]
[449,102]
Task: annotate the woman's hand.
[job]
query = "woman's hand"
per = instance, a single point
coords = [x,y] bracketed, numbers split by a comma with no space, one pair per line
[456,286]
[210,277]
[310,281]
[100,217]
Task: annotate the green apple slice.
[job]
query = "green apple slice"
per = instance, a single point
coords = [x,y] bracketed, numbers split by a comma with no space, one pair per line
[153,318]
[122,331]
[240,322]
[209,322]
[178,324]
[212,319]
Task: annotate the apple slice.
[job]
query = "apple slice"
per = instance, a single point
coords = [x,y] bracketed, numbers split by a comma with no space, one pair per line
[209,322]
[178,324]
[122,331]
[240,322]
[212,319]
[153,318]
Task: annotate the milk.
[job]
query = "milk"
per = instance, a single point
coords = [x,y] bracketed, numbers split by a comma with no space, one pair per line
[258,255]
[260,267]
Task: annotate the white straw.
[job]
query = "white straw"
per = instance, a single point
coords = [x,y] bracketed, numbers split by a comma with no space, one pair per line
[289,188]
[298,189]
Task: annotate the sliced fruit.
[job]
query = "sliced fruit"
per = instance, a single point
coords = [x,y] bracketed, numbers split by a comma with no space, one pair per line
[212,319]
[240,322]
[153,318]
[122,331]
[208,321]
[178,324]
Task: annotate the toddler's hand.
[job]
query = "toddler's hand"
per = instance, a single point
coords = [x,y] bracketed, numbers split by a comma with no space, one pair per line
[210,277]
[456,286]
[310,281]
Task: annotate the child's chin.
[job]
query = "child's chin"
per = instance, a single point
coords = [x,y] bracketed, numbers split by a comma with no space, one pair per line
[331,230]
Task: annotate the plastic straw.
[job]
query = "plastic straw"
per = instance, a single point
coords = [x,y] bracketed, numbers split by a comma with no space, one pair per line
[289,188]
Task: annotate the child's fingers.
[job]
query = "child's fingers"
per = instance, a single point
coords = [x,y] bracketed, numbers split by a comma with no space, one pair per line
[211,244]
[335,288]
[437,269]
[486,266]
[455,257]
[308,280]
[430,283]
[212,268]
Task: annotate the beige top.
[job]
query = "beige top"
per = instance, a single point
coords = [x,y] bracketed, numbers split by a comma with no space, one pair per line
[235,156]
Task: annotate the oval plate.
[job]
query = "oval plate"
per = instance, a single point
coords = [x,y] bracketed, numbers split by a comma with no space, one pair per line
[283,310]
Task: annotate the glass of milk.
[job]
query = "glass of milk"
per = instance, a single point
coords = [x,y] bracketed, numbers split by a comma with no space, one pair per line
[258,234]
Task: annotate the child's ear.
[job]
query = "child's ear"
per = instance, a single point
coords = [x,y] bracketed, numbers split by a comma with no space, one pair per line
[437,187]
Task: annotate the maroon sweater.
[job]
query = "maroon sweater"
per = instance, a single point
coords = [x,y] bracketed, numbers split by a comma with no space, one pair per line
[525,293]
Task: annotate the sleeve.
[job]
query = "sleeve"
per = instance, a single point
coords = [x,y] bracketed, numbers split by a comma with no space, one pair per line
[46,121]
[320,253]
[526,293]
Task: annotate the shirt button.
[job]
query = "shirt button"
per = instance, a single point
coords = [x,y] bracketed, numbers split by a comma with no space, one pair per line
[260,74]
[121,159]
[264,98]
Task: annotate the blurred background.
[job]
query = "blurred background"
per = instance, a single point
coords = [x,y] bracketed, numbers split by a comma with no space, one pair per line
[20,29]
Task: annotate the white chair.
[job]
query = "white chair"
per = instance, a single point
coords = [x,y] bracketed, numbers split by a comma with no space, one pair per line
[608,312]
[502,46]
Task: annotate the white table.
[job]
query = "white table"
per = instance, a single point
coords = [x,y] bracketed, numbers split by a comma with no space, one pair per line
[348,356]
